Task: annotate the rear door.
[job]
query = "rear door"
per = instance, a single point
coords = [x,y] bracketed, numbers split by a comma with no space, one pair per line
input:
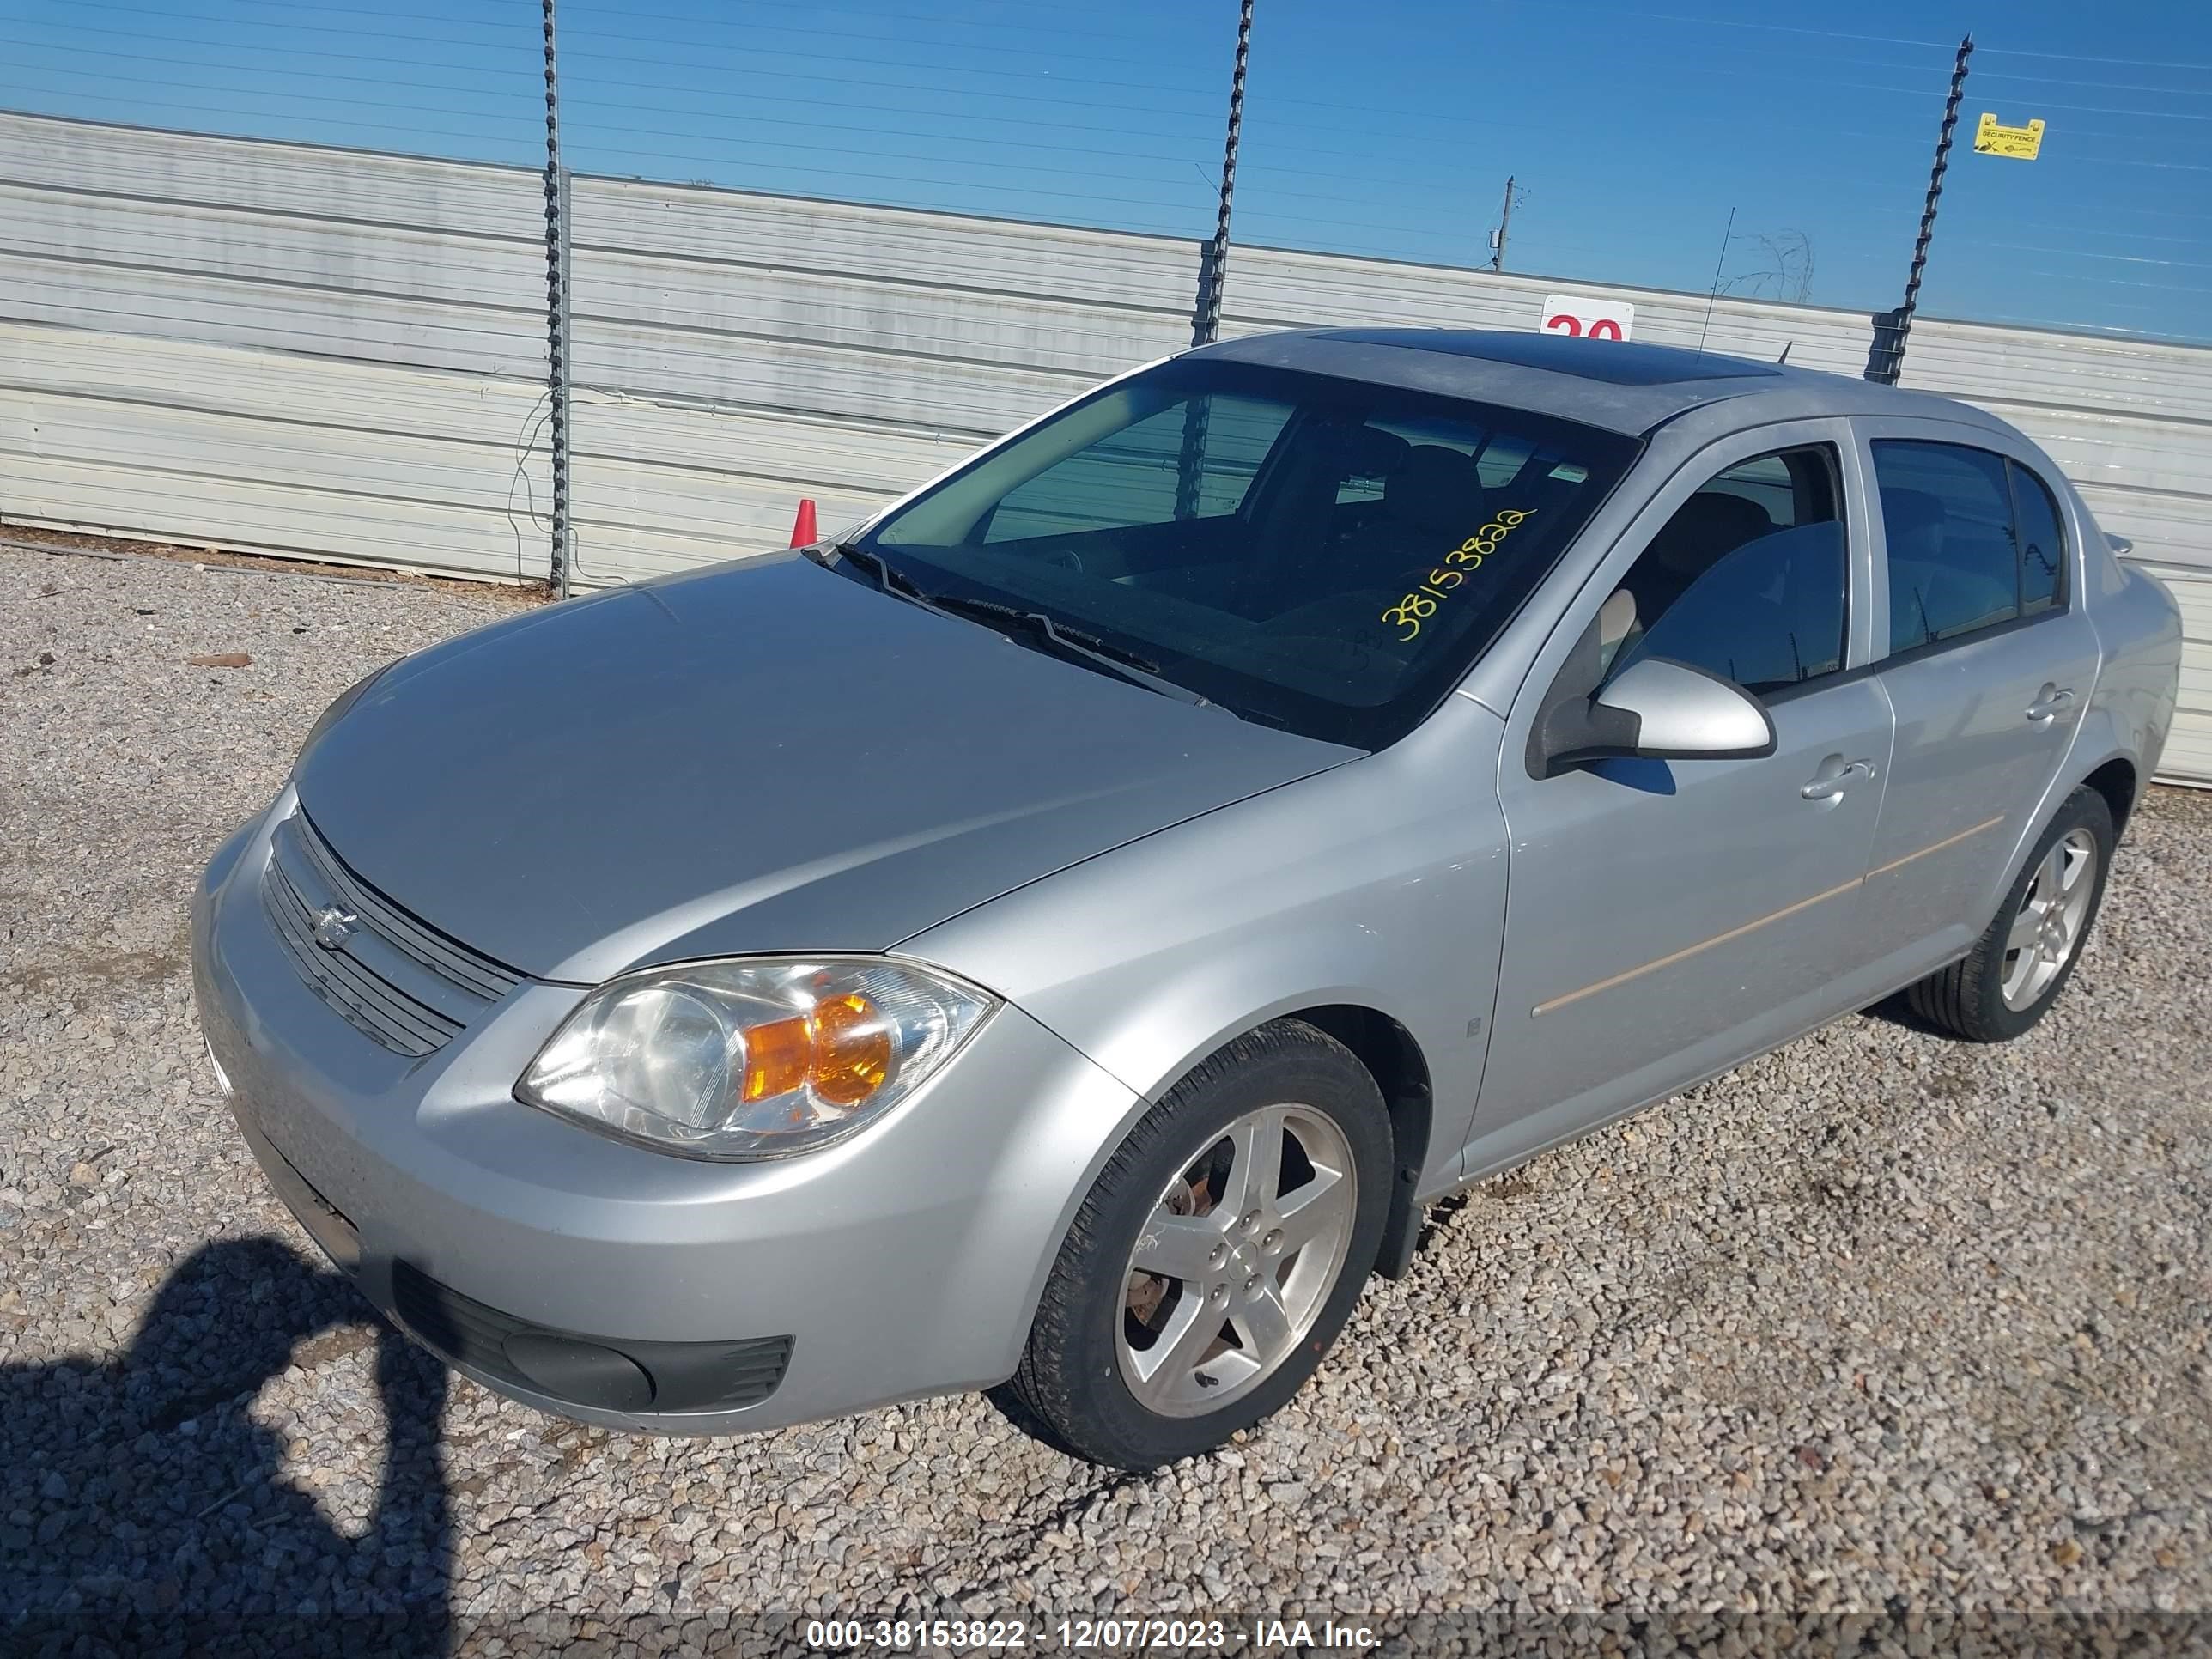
[1988,660]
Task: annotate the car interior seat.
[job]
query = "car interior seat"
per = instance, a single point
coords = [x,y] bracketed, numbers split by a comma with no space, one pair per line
[1436,490]
[1432,501]
[1704,529]
[1318,529]
[1616,624]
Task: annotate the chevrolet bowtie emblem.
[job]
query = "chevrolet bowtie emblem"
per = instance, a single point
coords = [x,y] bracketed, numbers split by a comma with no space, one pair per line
[334,926]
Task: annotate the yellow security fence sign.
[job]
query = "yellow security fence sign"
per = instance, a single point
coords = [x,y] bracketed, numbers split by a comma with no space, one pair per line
[2020,143]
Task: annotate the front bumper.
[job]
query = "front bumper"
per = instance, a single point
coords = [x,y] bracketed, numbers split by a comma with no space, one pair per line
[522,1248]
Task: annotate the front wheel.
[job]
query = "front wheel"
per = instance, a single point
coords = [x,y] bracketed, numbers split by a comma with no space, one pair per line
[2017,970]
[1217,1256]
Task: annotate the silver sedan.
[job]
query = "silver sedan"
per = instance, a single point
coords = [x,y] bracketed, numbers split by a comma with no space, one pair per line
[1063,933]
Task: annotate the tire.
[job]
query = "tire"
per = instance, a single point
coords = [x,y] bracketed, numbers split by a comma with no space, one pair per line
[1969,999]
[1173,1193]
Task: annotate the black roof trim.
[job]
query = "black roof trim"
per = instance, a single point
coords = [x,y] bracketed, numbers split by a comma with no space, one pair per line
[1616,362]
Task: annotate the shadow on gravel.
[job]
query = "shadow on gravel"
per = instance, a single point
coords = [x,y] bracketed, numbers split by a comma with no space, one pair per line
[142,1510]
[1896,1009]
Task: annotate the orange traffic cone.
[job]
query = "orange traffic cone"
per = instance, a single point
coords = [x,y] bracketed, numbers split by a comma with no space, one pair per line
[803,532]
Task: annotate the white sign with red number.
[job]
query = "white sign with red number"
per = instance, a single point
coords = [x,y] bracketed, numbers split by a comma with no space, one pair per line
[1587,316]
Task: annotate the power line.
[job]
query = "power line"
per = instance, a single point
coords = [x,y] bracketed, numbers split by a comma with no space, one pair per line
[1435,123]
[172,80]
[2092,230]
[1843,85]
[2064,156]
[414,129]
[2107,86]
[1735,23]
[523,29]
[528,26]
[663,104]
[1827,83]
[577,102]
[318,100]
[2107,109]
[2084,253]
[751,55]
[2117,281]
[286,53]
[2085,57]
[627,15]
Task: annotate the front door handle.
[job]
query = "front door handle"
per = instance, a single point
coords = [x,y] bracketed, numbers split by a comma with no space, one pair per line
[2050,702]
[1834,777]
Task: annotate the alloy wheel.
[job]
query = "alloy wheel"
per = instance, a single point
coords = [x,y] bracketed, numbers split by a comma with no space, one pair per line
[1234,1263]
[2047,930]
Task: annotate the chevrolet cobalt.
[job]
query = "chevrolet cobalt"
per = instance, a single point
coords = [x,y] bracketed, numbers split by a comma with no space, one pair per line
[1064,932]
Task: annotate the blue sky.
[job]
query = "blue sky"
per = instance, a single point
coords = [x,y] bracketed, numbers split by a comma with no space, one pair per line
[1385,129]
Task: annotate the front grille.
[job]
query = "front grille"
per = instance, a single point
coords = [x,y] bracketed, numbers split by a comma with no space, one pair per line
[395,979]
[680,1377]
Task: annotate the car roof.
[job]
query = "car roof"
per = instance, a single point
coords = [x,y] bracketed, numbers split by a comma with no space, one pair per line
[1619,386]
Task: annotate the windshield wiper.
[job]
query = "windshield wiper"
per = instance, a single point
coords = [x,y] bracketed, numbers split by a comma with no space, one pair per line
[889,576]
[1070,641]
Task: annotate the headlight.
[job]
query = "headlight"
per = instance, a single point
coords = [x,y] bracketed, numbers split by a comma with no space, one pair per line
[338,705]
[757,1057]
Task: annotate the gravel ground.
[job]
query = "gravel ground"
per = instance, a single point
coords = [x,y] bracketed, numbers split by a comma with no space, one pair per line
[1877,1322]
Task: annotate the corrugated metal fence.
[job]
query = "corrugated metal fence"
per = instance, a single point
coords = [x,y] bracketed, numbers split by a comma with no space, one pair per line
[338,355]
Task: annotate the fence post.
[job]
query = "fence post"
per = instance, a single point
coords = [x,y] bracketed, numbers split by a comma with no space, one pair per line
[1213,264]
[557,312]
[1212,271]
[1885,353]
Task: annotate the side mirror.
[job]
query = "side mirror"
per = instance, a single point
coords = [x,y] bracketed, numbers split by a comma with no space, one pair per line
[1686,713]
[1663,710]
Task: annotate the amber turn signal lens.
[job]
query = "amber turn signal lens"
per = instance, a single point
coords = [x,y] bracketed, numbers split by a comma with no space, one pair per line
[852,1049]
[777,1057]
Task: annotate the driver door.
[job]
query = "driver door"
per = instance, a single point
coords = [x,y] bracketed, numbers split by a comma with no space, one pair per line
[1665,918]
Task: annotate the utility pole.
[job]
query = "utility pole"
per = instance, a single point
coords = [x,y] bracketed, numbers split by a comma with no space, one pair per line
[1207,323]
[557,314]
[1886,356]
[1504,224]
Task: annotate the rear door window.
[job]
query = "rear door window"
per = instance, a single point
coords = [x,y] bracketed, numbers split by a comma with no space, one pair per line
[1972,539]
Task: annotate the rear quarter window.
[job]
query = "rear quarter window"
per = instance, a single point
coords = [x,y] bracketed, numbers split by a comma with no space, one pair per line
[2041,542]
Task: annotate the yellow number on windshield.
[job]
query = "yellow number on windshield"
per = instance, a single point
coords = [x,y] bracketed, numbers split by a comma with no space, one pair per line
[1408,612]
[1419,605]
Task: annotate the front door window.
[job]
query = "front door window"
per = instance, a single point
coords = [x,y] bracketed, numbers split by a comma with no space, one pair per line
[1749,580]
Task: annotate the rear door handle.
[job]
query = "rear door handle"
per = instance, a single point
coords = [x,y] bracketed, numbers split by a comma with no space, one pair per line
[2050,702]
[1834,777]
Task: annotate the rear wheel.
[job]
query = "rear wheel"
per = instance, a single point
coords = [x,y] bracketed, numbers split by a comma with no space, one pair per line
[2017,968]
[1217,1256]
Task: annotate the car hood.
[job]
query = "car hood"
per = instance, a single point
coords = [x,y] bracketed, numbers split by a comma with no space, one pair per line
[755,757]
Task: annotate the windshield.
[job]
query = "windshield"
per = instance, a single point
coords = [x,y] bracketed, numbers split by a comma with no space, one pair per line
[1322,554]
